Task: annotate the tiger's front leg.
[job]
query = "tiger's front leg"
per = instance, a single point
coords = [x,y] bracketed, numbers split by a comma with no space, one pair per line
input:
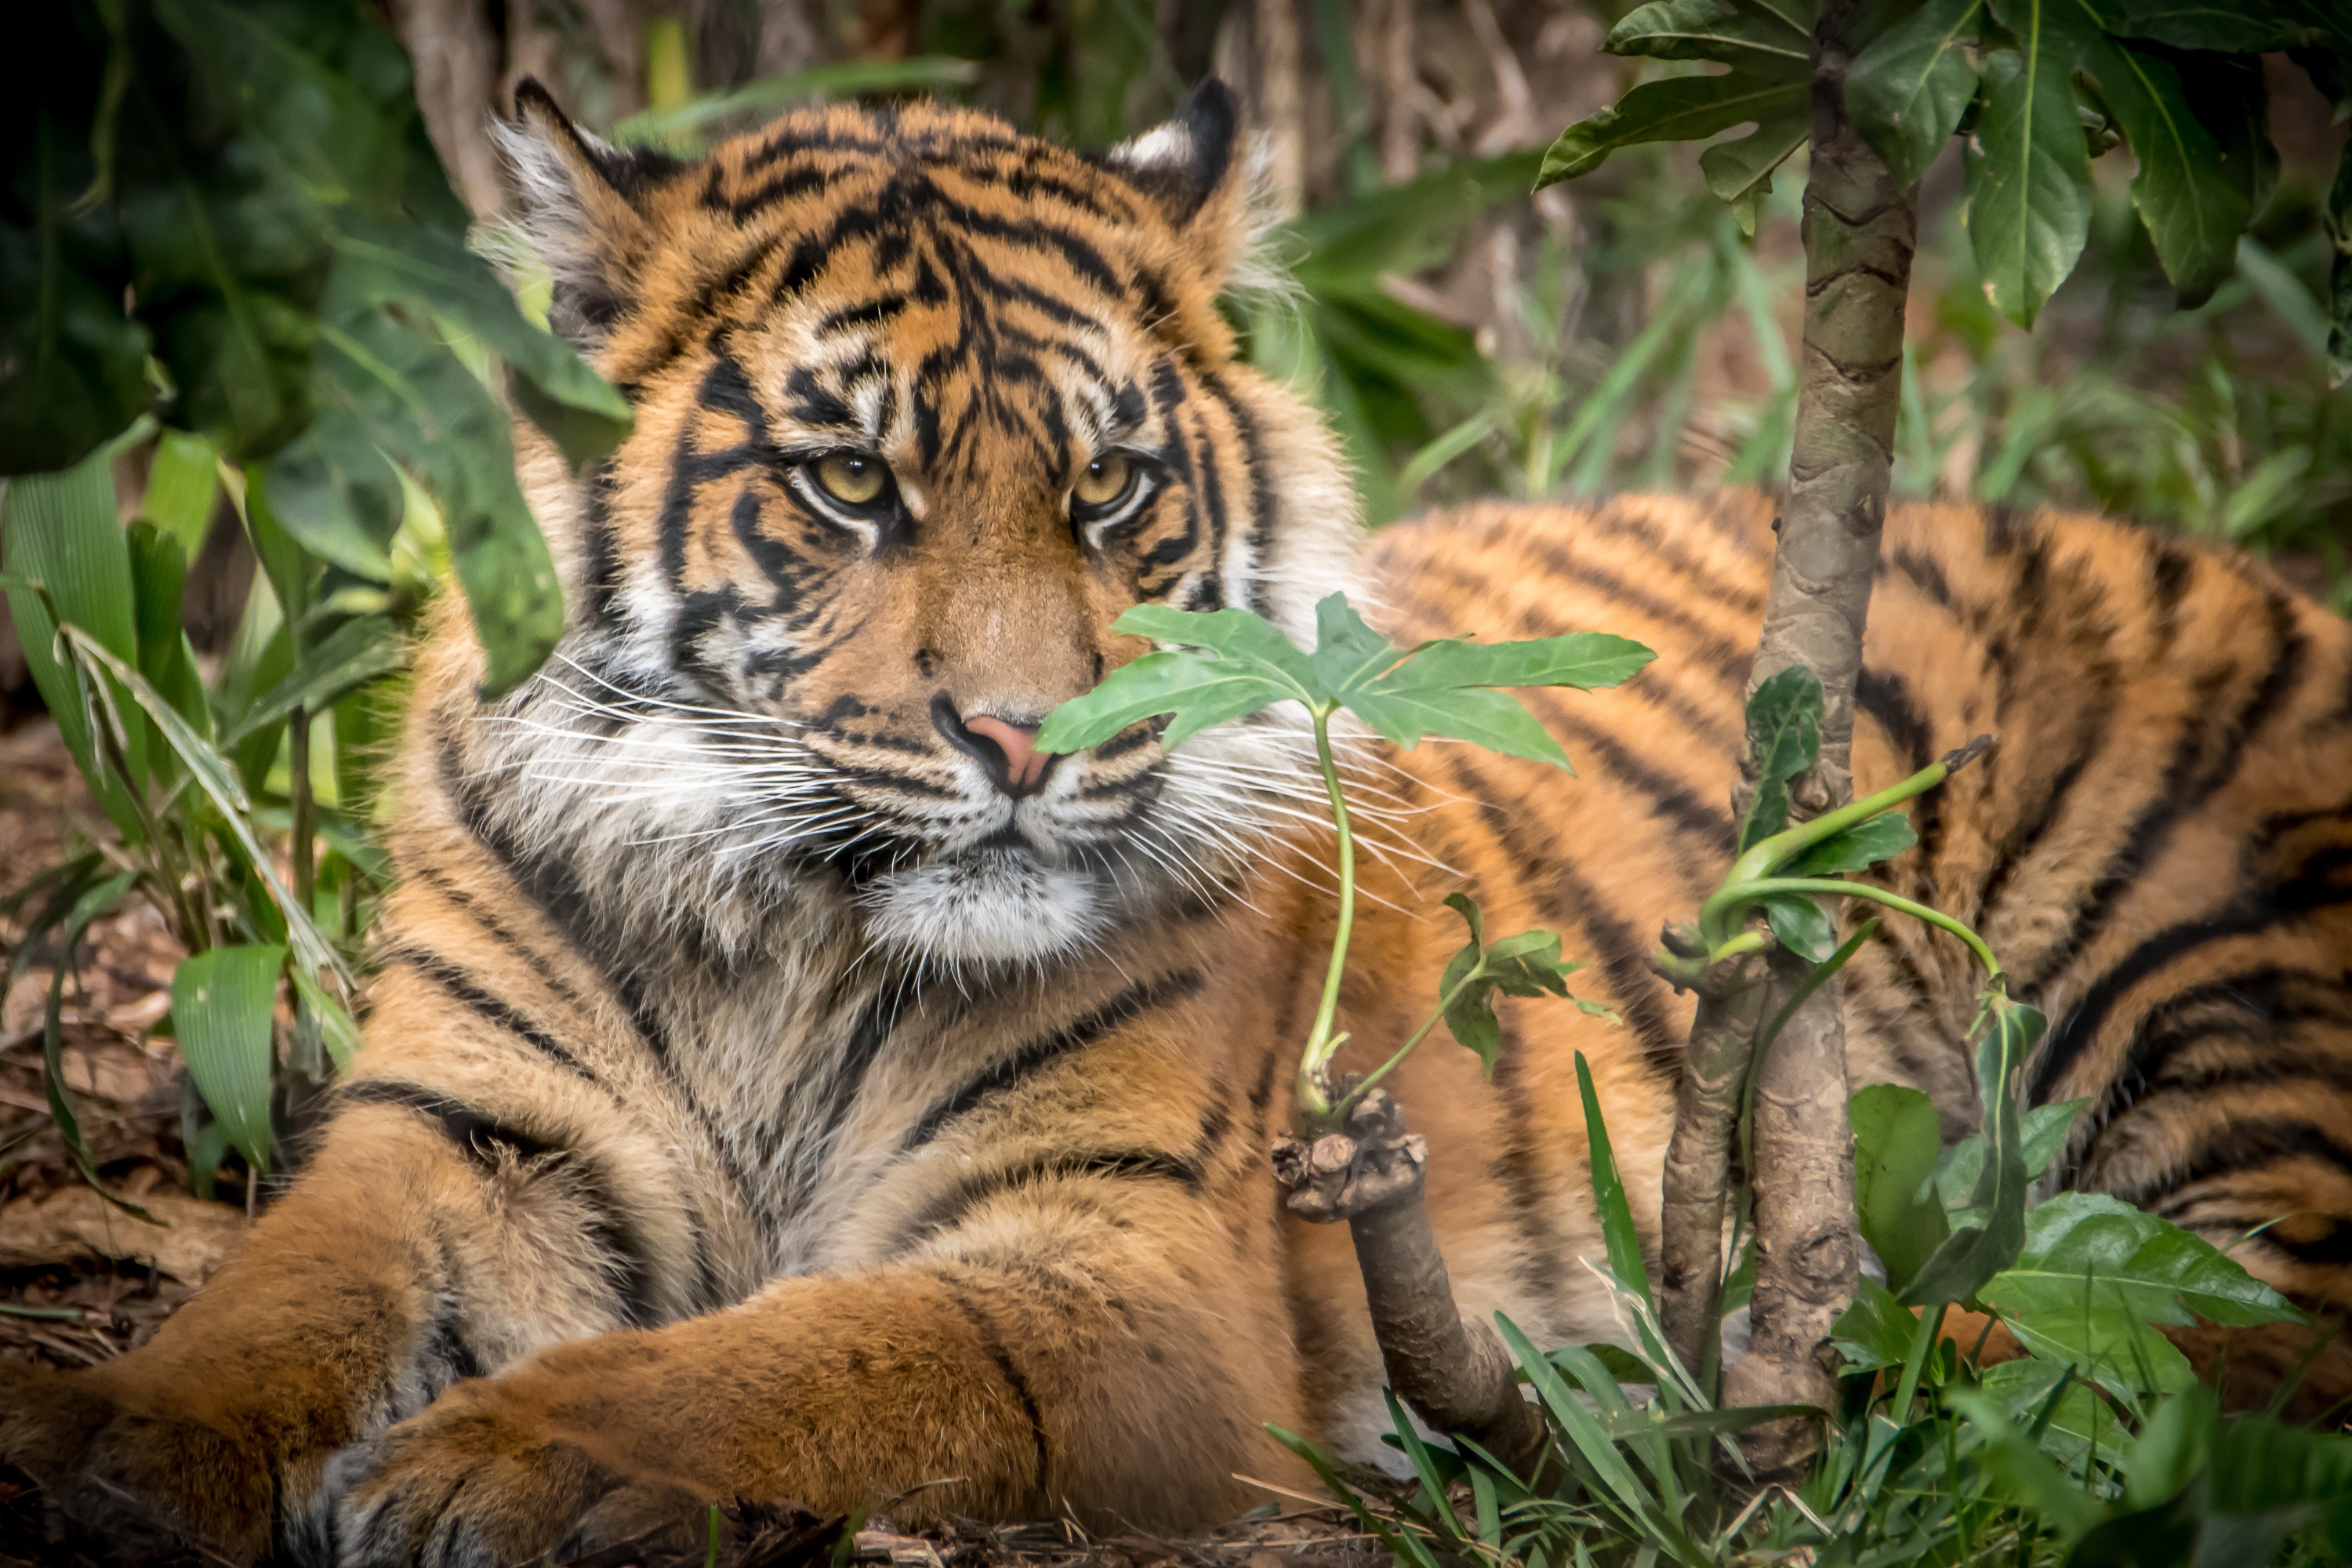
[413,1253]
[1099,1370]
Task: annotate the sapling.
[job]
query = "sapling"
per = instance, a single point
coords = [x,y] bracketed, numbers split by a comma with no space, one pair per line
[1358,1163]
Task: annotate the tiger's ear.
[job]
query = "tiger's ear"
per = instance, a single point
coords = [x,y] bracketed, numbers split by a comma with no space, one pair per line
[1191,169]
[583,203]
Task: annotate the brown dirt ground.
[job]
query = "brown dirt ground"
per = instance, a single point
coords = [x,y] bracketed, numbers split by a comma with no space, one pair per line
[81,1282]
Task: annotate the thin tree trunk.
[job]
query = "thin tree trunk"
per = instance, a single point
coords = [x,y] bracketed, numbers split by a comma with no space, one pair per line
[1453,1372]
[1697,1178]
[1859,230]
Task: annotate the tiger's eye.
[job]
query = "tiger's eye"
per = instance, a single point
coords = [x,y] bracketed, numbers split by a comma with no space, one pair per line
[1105,480]
[851,477]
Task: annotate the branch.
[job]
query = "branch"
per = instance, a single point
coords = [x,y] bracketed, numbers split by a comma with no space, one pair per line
[1453,1372]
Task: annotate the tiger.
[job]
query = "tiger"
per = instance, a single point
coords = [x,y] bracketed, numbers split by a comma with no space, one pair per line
[782,1080]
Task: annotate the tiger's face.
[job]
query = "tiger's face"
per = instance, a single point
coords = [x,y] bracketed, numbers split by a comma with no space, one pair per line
[922,406]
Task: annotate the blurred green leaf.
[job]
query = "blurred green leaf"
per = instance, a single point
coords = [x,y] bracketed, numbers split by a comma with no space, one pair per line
[408,263]
[1897,1140]
[182,478]
[355,652]
[422,407]
[1908,86]
[223,1007]
[2029,174]
[72,365]
[836,79]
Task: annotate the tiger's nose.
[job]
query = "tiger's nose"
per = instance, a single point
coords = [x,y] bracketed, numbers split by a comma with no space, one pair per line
[1006,748]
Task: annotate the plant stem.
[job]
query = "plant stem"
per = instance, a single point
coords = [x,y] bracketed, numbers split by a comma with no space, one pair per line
[297,789]
[1313,1098]
[1832,888]
[1340,1112]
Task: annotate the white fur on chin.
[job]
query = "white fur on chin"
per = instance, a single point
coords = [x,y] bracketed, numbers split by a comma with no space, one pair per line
[991,905]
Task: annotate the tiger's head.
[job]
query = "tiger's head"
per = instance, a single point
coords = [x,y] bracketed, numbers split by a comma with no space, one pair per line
[922,405]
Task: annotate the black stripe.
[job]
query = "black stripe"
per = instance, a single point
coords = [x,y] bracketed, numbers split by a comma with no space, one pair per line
[2191,777]
[1618,520]
[2244,1146]
[1121,1010]
[452,980]
[481,1138]
[2256,1007]
[1732,663]
[2320,882]
[1567,897]
[1668,800]
[947,1211]
[993,1344]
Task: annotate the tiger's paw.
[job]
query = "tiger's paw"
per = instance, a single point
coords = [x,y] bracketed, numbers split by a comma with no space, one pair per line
[142,1480]
[476,1482]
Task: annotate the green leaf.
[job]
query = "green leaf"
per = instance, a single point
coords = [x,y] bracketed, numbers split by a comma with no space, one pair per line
[1200,690]
[2021,1471]
[1875,1330]
[2028,172]
[1906,90]
[1896,1141]
[1617,1228]
[355,652]
[183,479]
[2043,1137]
[335,493]
[1589,1439]
[1234,633]
[2072,1426]
[1858,848]
[1348,653]
[1975,1252]
[1801,924]
[1679,108]
[1784,738]
[218,781]
[223,1003]
[2160,1272]
[2193,208]
[1736,33]
[336,1027]
[1526,964]
[59,531]
[1584,660]
[2225,27]
[1740,170]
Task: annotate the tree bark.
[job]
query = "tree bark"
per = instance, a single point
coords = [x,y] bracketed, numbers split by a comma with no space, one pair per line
[1453,1372]
[1859,231]
[1697,1178]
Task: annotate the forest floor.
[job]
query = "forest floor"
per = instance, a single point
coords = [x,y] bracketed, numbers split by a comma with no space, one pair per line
[82,1282]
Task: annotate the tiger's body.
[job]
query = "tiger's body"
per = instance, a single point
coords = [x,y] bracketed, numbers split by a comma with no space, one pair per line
[781,1084]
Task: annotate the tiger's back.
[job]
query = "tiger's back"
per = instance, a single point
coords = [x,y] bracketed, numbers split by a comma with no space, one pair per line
[2159,847]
